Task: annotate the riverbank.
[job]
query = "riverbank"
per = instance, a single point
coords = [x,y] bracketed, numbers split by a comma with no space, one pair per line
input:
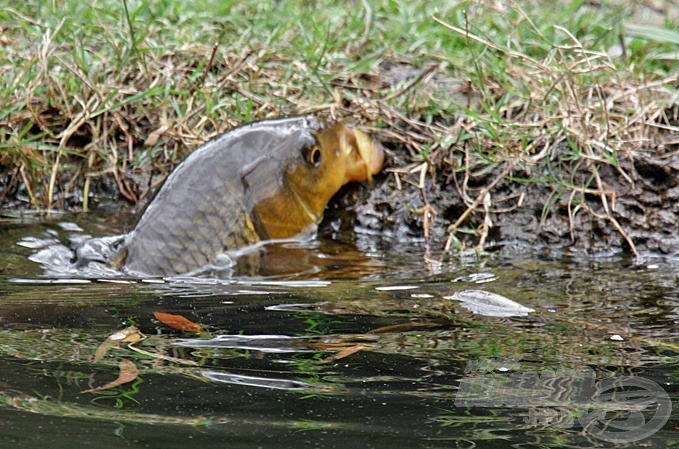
[504,122]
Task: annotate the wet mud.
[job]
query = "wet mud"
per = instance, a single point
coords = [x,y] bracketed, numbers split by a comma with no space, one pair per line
[641,194]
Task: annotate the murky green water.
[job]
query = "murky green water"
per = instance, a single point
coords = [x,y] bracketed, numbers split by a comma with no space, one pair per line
[340,347]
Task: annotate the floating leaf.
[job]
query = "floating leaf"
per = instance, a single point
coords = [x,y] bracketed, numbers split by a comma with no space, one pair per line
[103,349]
[489,304]
[127,335]
[178,322]
[344,353]
[128,373]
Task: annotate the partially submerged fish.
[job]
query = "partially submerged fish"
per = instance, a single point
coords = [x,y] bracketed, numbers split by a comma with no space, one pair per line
[266,180]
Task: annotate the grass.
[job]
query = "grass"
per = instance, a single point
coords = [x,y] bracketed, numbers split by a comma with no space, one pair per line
[115,91]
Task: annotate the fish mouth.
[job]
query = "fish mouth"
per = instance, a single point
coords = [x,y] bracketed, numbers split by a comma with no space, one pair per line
[366,159]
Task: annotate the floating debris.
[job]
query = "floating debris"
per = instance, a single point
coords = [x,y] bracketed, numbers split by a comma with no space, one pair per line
[178,322]
[128,373]
[489,304]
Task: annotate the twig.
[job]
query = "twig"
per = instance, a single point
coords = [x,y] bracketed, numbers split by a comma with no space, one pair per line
[208,66]
[31,196]
[477,201]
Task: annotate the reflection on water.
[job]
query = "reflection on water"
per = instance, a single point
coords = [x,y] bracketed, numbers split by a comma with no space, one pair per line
[253,381]
[337,346]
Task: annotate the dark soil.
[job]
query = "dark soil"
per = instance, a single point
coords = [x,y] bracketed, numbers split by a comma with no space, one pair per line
[530,213]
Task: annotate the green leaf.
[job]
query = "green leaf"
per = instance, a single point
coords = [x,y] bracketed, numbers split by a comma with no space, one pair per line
[652,33]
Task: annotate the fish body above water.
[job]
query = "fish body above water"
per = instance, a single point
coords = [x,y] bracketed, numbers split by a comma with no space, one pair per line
[266,180]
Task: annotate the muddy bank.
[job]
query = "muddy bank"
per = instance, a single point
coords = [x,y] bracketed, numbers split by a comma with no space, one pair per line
[585,180]
[511,202]
[636,207]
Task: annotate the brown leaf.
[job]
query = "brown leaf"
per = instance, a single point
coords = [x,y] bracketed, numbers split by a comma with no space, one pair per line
[344,353]
[128,373]
[128,335]
[153,138]
[103,349]
[131,338]
[178,322]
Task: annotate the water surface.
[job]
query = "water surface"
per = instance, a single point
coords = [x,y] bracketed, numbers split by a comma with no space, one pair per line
[336,345]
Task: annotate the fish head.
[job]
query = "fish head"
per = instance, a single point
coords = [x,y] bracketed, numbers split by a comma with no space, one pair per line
[320,160]
[338,154]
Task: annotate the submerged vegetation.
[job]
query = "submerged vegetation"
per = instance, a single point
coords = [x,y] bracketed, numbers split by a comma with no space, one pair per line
[481,104]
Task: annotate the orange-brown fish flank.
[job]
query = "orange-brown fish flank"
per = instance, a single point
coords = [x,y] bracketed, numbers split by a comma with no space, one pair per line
[269,179]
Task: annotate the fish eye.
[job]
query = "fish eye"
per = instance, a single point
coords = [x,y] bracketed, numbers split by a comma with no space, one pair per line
[312,155]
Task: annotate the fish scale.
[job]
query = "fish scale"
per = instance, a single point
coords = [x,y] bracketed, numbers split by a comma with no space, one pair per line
[268,179]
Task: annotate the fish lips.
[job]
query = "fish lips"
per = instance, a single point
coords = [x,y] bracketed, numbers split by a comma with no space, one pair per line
[368,157]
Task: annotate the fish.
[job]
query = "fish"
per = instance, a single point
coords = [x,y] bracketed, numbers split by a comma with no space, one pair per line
[267,180]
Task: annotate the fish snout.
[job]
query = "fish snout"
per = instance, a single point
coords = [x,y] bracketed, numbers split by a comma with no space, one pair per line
[367,158]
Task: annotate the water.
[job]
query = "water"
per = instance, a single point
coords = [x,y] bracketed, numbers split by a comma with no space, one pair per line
[368,346]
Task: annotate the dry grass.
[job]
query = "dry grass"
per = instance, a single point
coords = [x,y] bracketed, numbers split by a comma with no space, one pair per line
[125,93]
[609,116]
